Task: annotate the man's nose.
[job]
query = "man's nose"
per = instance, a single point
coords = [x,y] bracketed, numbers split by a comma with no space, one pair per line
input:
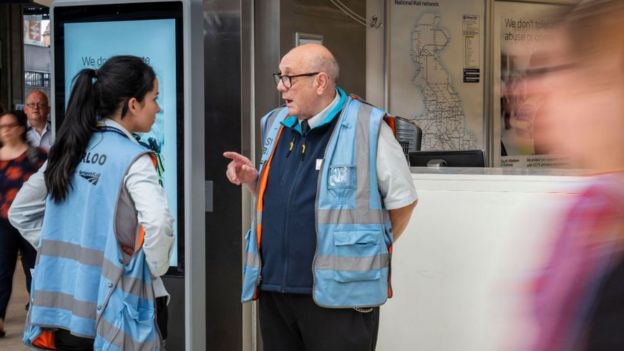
[281,87]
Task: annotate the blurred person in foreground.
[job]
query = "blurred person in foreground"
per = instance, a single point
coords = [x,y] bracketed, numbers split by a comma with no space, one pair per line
[579,295]
[18,161]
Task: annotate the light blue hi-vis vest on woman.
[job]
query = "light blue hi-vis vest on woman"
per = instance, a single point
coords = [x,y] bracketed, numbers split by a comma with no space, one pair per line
[351,266]
[80,282]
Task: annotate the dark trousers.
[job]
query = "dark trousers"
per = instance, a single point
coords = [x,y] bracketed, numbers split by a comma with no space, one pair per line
[293,322]
[10,243]
[162,316]
[66,342]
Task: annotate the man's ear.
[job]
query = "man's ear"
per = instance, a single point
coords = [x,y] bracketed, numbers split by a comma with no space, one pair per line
[322,80]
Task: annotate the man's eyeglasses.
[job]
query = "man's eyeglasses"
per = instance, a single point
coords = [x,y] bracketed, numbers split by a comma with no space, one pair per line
[37,105]
[287,80]
[8,126]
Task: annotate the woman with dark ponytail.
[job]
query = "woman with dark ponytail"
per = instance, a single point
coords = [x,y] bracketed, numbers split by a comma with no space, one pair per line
[106,235]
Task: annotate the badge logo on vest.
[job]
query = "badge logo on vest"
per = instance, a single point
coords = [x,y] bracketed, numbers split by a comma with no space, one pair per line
[341,176]
[91,177]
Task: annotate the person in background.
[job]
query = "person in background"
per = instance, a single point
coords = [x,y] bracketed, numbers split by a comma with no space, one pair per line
[578,297]
[333,193]
[107,233]
[18,161]
[37,109]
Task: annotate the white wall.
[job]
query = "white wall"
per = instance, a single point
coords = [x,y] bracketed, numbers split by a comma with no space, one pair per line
[461,269]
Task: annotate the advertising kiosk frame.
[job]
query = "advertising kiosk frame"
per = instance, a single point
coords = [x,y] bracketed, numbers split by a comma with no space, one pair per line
[190,158]
[88,24]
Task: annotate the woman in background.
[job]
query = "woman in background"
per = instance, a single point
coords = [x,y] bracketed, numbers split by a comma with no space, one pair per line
[106,235]
[18,161]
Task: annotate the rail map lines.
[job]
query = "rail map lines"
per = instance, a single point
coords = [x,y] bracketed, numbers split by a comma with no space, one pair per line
[443,120]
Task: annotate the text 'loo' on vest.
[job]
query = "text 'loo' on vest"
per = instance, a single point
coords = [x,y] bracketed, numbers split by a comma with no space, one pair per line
[81,282]
[351,266]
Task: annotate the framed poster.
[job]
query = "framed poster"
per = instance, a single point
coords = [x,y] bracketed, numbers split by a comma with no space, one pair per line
[307,38]
[435,70]
[519,28]
[36,30]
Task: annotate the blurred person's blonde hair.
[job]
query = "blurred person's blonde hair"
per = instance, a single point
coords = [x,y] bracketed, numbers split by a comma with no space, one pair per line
[578,74]
[595,28]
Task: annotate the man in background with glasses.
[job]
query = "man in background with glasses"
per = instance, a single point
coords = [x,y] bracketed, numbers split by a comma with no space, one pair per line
[37,111]
[333,193]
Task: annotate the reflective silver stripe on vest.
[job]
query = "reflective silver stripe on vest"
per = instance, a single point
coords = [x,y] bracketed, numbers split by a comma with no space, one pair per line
[117,337]
[357,216]
[66,302]
[93,257]
[362,152]
[353,264]
[128,284]
[252,259]
[75,252]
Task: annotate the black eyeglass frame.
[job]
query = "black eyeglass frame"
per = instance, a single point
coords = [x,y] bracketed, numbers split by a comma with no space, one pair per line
[37,105]
[288,82]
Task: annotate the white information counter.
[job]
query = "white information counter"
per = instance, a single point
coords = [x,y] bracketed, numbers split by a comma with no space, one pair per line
[461,271]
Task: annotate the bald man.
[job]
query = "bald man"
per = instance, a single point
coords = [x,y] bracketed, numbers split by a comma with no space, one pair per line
[332,194]
[37,110]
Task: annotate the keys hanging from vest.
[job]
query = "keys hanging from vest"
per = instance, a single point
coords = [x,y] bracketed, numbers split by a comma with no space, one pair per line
[305,129]
[290,147]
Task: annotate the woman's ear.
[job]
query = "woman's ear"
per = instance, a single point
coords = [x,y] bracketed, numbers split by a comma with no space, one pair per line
[133,105]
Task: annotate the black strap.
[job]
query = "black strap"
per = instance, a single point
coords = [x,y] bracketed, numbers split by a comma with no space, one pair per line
[112,129]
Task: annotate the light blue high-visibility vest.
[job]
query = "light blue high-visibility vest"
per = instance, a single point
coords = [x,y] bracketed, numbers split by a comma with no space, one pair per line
[81,282]
[351,266]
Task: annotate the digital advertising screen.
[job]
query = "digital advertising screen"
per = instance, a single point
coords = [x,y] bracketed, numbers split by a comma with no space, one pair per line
[86,36]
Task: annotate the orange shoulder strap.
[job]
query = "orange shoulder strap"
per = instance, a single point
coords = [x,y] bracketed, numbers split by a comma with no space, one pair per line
[262,183]
[154,159]
[140,238]
[391,122]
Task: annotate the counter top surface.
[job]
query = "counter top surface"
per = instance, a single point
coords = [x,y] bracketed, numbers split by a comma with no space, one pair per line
[499,171]
[499,179]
